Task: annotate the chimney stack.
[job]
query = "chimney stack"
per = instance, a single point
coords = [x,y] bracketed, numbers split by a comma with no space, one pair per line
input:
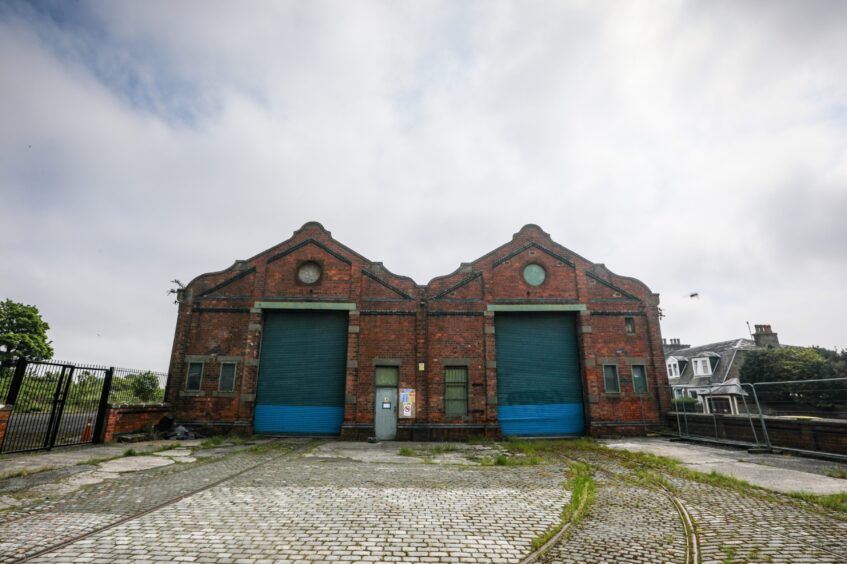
[764,337]
[671,345]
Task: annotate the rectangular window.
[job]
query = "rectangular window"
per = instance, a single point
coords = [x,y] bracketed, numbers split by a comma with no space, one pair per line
[630,325]
[702,367]
[388,376]
[455,391]
[226,383]
[720,405]
[639,379]
[195,376]
[610,378]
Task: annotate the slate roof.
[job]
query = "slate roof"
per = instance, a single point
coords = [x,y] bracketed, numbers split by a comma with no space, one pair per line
[726,358]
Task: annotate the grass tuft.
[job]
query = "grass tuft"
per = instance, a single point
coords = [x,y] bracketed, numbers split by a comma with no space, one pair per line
[406,451]
[581,485]
[130,452]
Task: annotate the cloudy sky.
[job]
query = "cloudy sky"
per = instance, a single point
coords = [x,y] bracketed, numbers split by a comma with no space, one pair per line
[698,146]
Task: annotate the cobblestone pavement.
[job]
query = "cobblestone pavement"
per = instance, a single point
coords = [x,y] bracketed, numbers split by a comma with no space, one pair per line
[309,509]
[278,506]
[626,523]
[638,523]
[32,528]
[739,528]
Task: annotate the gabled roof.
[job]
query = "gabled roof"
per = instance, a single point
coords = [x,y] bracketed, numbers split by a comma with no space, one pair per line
[723,356]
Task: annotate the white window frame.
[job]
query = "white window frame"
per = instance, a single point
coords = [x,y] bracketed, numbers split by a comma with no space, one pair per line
[673,368]
[702,367]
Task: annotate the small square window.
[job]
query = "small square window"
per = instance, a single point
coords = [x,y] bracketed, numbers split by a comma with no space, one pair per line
[629,322]
[639,379]
[226,383]
[195,376]
[610,379]
[455,391]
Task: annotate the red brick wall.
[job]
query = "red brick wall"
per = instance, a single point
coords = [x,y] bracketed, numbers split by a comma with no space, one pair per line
[5,413]
[398,321]
[132,419]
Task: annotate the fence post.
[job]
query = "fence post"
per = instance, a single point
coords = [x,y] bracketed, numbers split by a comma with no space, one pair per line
[103,407]
[17,378]
[761,417]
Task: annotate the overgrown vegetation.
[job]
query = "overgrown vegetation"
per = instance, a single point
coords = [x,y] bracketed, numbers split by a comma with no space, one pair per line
[581,486]
[797,363]
[840,473]
[504,460]
[651,467]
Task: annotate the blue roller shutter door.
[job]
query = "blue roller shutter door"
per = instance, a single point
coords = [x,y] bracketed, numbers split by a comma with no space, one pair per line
[302,373]
[539,387]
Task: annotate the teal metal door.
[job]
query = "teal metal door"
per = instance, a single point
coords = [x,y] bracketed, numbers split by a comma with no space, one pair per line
[385,418]
[302,373]
[539,386]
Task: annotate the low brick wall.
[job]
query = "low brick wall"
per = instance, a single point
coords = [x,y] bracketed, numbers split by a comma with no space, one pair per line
[5,413]
[826,435]
[133,418]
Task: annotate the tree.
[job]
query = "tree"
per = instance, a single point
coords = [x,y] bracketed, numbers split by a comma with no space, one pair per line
[145,386]
[23,334]
[786,364]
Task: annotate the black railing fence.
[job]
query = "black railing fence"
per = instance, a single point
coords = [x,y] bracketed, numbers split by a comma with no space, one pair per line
[56,403]
[129,385]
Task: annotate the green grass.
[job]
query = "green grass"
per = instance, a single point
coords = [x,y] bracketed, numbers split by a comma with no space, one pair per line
[834,502]
[503,460]
[406,451]
[479,440]
[581,485]
[655,465]
[130,452]
[840,473]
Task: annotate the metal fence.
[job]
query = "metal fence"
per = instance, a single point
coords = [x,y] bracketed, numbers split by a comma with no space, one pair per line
[57,403]
[801,415]
[130,386]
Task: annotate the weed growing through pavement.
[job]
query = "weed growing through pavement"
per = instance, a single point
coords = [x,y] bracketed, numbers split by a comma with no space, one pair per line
[581,485]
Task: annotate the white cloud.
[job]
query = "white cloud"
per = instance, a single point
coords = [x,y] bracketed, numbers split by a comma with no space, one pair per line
[697,146]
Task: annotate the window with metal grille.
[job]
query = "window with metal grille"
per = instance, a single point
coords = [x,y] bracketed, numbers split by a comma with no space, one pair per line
[639,379]
[387,376]
[610,379]
[456,391]
[226,383]
[629,323]
[195,375]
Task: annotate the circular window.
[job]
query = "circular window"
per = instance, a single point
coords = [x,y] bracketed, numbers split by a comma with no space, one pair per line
[309,273]
[534,274]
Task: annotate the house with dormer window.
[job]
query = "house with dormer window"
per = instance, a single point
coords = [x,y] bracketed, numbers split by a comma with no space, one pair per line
[710,374]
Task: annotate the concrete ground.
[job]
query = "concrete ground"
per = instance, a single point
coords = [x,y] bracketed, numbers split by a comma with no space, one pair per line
[777,472]
[300,501]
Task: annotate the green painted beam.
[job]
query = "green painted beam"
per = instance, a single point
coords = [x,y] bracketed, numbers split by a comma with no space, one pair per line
[305,305]
[537,307]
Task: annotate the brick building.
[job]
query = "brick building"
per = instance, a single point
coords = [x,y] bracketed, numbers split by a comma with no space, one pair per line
[311,337]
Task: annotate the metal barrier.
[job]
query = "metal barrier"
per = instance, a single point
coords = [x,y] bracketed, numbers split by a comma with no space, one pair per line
[59,403]
[799,415]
